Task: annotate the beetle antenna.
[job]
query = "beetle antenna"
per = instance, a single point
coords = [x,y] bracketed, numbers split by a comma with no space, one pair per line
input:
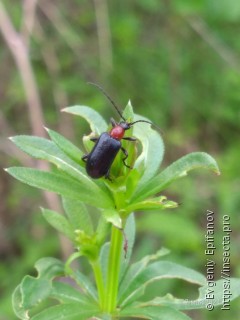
[109,98]
[131,123]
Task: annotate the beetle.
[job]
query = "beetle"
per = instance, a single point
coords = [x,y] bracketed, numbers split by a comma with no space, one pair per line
[107,146]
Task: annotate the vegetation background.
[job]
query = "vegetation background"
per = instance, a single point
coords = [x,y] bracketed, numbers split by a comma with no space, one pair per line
[179,63]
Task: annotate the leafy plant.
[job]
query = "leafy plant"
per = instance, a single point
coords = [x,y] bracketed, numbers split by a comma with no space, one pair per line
[119,286]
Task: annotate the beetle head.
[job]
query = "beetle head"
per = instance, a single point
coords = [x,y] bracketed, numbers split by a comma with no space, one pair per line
[125,125]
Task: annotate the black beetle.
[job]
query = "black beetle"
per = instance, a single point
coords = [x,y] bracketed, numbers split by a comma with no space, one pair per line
[100,159]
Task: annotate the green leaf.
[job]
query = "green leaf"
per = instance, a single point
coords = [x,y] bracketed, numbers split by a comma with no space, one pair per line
[78,215]
[103,317]
[158,203]
[129,230]
[152,150]
[66,146]
[96,122]
[32,290]
[70,311]
[135,269]
[131,183]
[102,230]
[161,313]
[48,268]
[156,271]
[65,293]
[231,285]
[201,302]
[68,187]
[155,256]
[59,222]
[85,284]
[104,256]
[17,304]
[44,149]
[176,170]
[113,217]
[128,112]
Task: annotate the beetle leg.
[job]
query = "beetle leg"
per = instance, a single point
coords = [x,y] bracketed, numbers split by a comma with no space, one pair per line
[94,139]
[126,155]
[85,157]
[113,122]
[129,138]
[107,176]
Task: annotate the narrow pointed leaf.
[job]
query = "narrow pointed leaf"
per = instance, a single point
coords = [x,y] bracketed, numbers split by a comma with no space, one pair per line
[78,215]
[231,284]
[17,305]
[128,111]
[97,124]
[152,150]
[85,284]
[103,317]
[156,271]
[49,268]
[61,184]
[70,311]
[113,217]
[136,268]
[201,302]
[66,146]
[102,231]
[59,222]
[104,255]
[66,293]
[44,149]
[157,203]
[156,313]
[34,290]
[176,170]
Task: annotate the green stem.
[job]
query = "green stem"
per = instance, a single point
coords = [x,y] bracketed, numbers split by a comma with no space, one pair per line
[99,282]
[113,270]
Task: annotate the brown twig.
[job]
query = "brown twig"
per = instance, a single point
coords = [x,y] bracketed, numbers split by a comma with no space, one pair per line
[28,20]
[20,54]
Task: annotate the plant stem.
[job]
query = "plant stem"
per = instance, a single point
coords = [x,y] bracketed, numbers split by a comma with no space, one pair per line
[113,270]
[99,282]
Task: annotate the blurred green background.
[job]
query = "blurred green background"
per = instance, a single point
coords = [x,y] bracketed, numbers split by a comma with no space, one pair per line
[179,63]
